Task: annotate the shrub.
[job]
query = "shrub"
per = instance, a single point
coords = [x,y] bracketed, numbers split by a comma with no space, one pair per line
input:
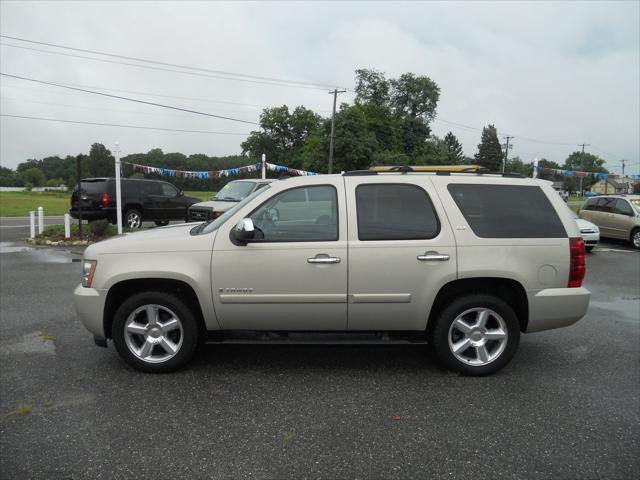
[99,228]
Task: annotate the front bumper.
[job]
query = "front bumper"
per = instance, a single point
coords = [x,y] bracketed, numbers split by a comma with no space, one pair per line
[557,307]
[89,305]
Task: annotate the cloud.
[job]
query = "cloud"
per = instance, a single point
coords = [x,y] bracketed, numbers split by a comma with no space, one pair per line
[558,72]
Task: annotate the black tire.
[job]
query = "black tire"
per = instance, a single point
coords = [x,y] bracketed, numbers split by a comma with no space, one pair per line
[588,248]
[132,218]
[439,334]
[635,238]
[190,333]
[161,223]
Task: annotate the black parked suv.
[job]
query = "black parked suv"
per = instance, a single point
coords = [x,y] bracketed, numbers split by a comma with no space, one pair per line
[142,200]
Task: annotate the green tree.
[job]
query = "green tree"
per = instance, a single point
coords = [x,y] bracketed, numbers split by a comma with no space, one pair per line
[282,135]
[585,162]
[455,155]
[9,178]
[354,146]
[516,165]
[372,87]
[101,162]
[489,150]
[415,96]
[33,176]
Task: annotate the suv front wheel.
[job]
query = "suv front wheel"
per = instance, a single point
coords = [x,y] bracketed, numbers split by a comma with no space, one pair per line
[155,332]
[476,335]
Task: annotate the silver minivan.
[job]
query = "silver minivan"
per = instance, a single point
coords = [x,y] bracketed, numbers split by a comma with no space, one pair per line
[617,216]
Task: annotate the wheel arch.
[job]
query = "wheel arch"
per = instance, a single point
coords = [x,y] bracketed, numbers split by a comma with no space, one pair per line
[509,290]
[120,291]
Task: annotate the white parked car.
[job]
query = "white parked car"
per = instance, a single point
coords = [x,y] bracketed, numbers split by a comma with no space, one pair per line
[589,231]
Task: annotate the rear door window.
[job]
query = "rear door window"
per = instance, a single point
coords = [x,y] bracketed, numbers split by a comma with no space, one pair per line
[507,211]
[395,212]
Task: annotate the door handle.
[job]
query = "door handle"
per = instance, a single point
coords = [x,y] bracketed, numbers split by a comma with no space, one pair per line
[323,258]
[433,257]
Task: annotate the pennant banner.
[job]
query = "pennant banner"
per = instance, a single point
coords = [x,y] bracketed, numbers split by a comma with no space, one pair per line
[573,173]
[168,172]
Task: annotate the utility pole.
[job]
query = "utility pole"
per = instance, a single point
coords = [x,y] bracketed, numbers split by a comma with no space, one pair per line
[582,162]
[626,188]
[335,93]
[79,196]
[506,153]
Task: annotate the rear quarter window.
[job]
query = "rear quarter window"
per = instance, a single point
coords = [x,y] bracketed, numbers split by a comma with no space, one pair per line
[507,211]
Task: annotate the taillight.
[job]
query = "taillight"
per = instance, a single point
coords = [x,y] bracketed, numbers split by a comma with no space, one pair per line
[576,262]
[106,200]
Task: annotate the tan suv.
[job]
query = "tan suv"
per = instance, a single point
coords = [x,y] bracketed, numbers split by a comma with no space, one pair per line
[463,261]
[617,216]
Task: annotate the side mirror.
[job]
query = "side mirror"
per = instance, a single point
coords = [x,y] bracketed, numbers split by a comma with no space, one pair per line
[244,231]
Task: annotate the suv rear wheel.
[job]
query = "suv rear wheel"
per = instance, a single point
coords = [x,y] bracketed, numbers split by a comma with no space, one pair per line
[155,332]
[133,218]
[476,335]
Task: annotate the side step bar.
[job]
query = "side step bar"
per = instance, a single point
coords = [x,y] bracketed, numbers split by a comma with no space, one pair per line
[318,338]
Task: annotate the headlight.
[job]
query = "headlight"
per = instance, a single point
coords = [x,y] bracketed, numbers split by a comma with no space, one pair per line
[88,269]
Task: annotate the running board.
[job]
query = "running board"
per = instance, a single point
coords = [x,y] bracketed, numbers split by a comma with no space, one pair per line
[319,338]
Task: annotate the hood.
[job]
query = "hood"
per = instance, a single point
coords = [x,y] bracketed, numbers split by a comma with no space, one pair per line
[583,224]
[215,205]
[173,238]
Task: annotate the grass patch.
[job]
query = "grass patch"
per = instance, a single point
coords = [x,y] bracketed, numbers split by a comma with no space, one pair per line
[22,410]
[48,404]
[19,204]
[45,336]
[55,233]
[287,437]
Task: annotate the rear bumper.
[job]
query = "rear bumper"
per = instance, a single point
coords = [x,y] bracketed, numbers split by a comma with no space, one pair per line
[108,213]
[557,307]
[89,305]
[591,239]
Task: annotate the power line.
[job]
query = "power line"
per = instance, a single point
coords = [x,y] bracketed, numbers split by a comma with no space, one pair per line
[92,107]
[137,92]
[130,99]
[121,126]
[217,73]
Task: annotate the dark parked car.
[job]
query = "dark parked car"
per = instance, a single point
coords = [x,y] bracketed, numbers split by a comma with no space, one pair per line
[142,200]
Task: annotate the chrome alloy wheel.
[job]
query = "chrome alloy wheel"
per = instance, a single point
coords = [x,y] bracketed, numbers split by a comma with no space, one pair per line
[478,336]
[636,238]
[133,220]
[153,333]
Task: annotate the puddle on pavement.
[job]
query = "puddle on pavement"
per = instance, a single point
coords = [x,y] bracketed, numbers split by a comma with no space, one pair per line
[628,306]
[6,247]
[45,255]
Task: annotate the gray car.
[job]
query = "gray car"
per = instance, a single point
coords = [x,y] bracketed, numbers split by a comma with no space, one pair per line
[617,216]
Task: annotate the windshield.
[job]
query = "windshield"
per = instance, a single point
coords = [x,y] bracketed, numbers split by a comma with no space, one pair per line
[215,224]
[234,191]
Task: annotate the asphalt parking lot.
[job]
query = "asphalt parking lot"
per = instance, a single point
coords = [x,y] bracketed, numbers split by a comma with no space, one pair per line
[566,407]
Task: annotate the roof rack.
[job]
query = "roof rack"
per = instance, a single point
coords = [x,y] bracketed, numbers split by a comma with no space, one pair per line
[437,169]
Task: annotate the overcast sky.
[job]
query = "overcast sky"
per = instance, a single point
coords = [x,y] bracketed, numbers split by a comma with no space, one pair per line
[552,74]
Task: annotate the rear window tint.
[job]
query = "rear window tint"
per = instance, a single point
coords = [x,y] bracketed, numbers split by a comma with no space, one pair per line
[507,211]
[94,186]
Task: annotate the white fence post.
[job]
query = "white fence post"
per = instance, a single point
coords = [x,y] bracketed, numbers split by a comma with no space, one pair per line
[32,224]
[40,220]
[118,190]
[67,226]
[264,165]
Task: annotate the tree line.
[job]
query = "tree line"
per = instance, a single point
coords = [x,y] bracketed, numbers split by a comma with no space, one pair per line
[389,123]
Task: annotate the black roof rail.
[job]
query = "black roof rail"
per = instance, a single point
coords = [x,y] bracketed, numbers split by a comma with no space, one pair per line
[355,173]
